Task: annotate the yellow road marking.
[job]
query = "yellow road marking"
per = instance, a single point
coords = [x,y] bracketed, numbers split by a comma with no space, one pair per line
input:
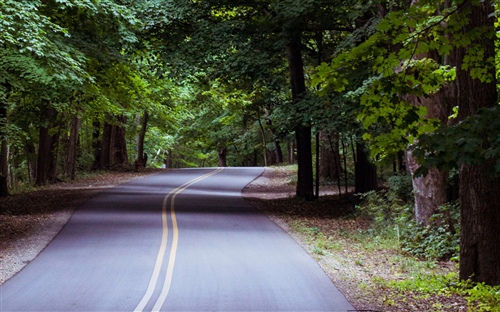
[164,238]
[173,250]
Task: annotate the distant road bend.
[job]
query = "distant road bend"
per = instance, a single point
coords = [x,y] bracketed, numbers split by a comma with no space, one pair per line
[182,240]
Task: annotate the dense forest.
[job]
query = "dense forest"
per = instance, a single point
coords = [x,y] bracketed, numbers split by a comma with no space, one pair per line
[353,91]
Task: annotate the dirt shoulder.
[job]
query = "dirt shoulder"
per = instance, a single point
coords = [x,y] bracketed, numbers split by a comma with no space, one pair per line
[359,263]
[29,221]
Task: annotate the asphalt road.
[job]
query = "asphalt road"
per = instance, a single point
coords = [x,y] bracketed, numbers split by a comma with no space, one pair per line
[183,240]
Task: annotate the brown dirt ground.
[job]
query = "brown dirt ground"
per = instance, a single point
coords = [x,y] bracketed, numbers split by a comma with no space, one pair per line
[29,221]
[327,230]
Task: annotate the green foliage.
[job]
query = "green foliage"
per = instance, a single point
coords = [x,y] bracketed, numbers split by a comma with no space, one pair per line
[483,298]
[472,141]
[401,188]
[480,297]
[392,213]
[439,240]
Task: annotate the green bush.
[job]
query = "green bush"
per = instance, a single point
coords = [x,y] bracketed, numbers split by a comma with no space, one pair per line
[400,188]
[392,208]
[440,240]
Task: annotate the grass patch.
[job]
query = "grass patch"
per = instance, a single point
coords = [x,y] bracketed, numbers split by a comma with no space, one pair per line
[480,297]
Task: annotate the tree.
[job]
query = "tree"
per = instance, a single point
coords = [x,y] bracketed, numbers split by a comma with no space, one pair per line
[479,196]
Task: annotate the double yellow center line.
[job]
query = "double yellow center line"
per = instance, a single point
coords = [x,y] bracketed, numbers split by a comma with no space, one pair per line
[163,247]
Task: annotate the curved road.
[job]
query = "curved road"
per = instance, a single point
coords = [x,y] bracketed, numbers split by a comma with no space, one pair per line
[182,240]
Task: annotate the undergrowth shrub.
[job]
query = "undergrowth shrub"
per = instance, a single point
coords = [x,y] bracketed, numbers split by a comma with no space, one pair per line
[480,297]
[440,240]
[392,213]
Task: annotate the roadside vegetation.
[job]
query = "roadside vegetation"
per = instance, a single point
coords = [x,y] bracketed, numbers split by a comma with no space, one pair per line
[372,248]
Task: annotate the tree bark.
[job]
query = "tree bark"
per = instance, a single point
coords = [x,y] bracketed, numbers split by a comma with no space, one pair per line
[430,191]
[4,168]
[114,145]
[302,132]
[344,157]
[72,148]
[4,152]
[263,137]
[478,190]
[140,162]
[96,144]
[105,146]
[118,145]
[169,159]
[222,155]
[317,164]
[334,147]
[31,157]
[364,171]
[329,158]
[43,156]
[54,150]
[290,146]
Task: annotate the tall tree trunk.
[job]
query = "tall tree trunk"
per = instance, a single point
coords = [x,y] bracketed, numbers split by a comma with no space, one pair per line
[479,192]
[271,157]
[4,152]
[72,148]
[54,151]
[290,147]
[105,146]
[222,155]
[277,146]
[141,161]
[43,156]
[118,145]
[328,168]
[263,137]
[31,157]
[302,132]
[344,157]
[96,144]
[317,164]
[169,159]
[365,172]
[334,147]
[278,151]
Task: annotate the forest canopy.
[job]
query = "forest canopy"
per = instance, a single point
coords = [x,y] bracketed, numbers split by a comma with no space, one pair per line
[353,91]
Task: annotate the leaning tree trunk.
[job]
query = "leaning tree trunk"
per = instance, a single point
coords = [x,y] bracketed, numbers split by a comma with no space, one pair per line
[365,173]
[141,160]
[302,132]
[479,191]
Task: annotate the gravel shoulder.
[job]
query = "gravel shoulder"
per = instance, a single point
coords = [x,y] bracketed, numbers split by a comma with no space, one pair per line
[30,220]
[359,264]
